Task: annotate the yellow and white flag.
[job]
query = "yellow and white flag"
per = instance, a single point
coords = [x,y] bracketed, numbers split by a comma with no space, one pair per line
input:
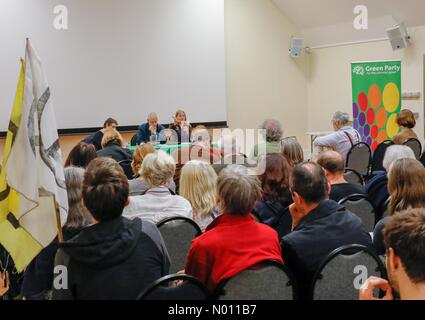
[32,179]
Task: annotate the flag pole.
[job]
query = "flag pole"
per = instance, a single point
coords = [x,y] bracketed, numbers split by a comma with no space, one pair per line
[58,220]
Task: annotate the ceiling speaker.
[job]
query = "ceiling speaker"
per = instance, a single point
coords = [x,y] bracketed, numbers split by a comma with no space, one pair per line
[399,37]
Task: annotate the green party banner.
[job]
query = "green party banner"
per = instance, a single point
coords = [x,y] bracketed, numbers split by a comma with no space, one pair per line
[376,100]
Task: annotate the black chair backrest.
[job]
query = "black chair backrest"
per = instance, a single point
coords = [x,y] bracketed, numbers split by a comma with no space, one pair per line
[359,158]
[378,155]
[361,206]
[166,289]
[352,176]
[126,166]
[422,159]
[344,271]
[268,280]
[178,233]
[133,140]
[416,146]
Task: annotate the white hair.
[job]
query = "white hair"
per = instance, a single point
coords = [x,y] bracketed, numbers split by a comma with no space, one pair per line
[341,117]
[158,169]
[396,152]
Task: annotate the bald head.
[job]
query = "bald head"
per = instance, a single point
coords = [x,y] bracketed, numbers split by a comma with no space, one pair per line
[153,120]
[332,161]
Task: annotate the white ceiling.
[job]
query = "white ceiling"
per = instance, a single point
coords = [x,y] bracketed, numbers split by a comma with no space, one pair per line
[331,21]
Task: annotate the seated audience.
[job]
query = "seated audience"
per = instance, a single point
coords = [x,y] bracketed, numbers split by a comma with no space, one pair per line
[81,155]
[96,139]
[273,133]
[376,187]
[319,225]
[115,258]
[112,147]
[292,151]
[406,186]
[334,165]
[234,241]
[38,277]
[406,121]
[230,151]
[276,196]
[343,138]
[198,185]
[200,149]
[148,129]
[138,185]
[159,202]
[181,127]
[405,242]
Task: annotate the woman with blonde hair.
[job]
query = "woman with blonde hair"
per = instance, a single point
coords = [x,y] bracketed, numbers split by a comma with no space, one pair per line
[406,186]
[198,185]
[292,151]
[112,147]
[138,186]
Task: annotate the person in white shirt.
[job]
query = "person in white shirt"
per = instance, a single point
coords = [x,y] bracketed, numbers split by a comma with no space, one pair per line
[158,203]
[343,138]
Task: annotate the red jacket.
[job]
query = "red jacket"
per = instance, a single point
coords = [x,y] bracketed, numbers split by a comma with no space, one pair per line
[229,245]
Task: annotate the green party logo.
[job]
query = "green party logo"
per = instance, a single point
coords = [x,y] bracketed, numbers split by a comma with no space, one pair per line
[358,70]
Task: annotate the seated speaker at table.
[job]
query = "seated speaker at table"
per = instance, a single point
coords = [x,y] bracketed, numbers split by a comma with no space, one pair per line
[180,129]
[150,129]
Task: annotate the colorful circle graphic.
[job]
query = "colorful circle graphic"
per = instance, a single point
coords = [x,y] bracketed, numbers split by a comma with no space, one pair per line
[369,141]
[355,110]
[374,132]
[391,97]
[374,146]
[370,116]
[366,130]
[392,126]
[374,96]
[382,136]
[362,101]
[362,119]
[381,118]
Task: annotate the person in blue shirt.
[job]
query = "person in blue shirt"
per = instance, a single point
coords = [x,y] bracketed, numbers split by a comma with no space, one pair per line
[151,127]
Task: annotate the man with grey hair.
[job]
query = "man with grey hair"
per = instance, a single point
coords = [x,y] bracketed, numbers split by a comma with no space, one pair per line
[234,241]
[148,129]
[377,187]
[273,134]
[343,138]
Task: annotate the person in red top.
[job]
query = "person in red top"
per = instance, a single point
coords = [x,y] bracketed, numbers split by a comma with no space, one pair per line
[234,241]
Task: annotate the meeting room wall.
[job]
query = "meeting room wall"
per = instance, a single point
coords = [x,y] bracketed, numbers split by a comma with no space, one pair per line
[329,82]
[262,80]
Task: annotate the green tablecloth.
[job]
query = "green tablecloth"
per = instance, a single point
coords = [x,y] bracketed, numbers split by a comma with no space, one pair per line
[170,148]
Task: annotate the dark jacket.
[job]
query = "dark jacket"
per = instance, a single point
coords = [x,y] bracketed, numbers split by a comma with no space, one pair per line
[378,236]
[377,192]
[115,151]
[95,139]
[143,133]
[38,276]
[341,190]
[324,229]
[115,259]
[269,212]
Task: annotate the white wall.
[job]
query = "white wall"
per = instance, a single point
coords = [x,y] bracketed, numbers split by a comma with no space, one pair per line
[262,80]
[119,58]
[329,84]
